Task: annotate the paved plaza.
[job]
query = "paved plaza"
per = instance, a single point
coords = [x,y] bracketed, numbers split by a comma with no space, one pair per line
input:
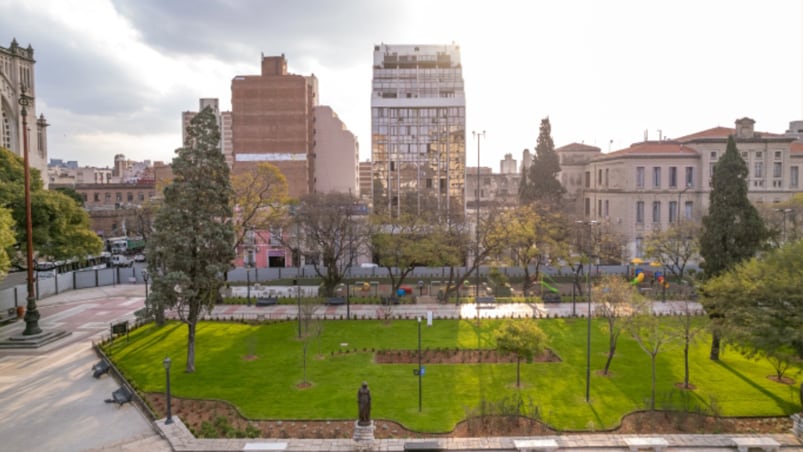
[51,402]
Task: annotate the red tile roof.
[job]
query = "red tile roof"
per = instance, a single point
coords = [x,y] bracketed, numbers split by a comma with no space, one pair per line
[653,148]
[574,147]
[722,132]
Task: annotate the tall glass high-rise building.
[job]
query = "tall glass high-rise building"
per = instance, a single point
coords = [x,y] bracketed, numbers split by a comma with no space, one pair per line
[418,130]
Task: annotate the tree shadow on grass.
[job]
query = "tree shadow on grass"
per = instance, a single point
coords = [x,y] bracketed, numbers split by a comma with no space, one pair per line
[785,405]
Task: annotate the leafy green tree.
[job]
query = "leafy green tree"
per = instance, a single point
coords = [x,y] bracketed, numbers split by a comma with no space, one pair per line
[402,245]
[732,230]
[523,338]
[541,185]
[191,246]
[7,239]
[674,246]
[648,331]
[529,237]
[331,235]
[762,304]
[61,228]
[260,197]
[617,302]
[72,193]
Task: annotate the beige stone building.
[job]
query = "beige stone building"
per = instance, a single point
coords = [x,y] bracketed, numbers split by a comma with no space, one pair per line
[652,184]
[17,72]
[336,154]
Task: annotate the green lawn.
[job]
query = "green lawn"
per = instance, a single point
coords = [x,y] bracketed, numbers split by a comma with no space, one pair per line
[265,388]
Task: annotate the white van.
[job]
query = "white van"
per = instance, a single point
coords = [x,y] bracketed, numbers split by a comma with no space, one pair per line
[119,260]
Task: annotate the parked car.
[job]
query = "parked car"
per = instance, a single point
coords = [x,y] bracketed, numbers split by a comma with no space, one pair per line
[550,297]
[139,258]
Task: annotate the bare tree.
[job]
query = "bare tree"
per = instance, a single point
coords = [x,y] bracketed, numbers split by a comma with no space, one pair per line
[616,302]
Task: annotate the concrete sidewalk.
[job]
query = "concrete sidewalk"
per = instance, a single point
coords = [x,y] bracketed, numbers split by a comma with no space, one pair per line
[51,402]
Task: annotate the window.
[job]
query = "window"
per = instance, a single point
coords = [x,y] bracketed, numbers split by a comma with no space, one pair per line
[656,176]
[588,179]
[640,177]
[777,169]
[606,177]
[656,211]
[793,174]
[689,176]
[713,155]
[96,197]
[141,196]
[759,155]
[689,209]
[777,155]
[639,211]
[118,197]
[673,176]
[758,170]
[108,197]
[130,197]
[599,208]
[588,206]
[673,210]
[607,210]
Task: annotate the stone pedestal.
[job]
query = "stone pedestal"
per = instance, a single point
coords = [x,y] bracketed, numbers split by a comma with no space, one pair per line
[797,425]
[364,433]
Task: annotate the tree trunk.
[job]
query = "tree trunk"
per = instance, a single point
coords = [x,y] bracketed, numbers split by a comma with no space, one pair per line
[686,364]
[715,340]
[611,352]
[190,347]
[527,283]
[652,390]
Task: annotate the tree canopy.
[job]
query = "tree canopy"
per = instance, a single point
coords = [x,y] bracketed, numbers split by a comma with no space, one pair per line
[541,184]
[192,245]
[330,235]
[523,338]
[61,228]
[6,238]
[733,230]
[762,304]
[260,196]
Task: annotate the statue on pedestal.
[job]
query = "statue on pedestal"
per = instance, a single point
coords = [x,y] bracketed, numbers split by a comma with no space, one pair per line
[364,404]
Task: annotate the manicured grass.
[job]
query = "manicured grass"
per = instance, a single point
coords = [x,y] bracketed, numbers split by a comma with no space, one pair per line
[265,387]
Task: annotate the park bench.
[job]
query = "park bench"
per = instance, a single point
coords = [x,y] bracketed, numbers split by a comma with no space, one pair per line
[335,300]
[120,396]
[655,443]
[745,443]
[102,367]
[533,445]
[422,445]
[267,301]
[485,301]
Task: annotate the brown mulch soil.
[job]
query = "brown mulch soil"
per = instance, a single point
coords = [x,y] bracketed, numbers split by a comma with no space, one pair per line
[209,418]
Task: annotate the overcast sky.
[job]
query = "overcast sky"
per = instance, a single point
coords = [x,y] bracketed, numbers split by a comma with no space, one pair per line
[113,76]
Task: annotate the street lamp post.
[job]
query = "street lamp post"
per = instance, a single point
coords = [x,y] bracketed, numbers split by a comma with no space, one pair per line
[419,364]
[588,329]
[478,136]
[31,311]
[166,363]
[145,277]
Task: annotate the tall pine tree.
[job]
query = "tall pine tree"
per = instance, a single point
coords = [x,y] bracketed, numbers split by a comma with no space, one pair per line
[542,186]
[733,230]
[191,247]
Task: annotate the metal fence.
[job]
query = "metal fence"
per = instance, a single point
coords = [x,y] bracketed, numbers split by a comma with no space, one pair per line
[51,283]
